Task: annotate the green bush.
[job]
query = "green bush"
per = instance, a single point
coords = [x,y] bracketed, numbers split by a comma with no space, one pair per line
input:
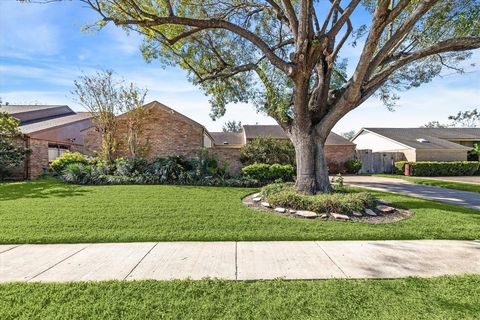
[268,150]
[60,163]
[353,166]
[284,195]
[455,168]
[77,172]
[267,173]
[400,167]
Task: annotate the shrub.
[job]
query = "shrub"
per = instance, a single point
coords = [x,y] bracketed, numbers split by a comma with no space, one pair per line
[77,172]
[171,170]
[266,172]
[130,167]
[455,168]
[400,167]
[60,163]
[284,195]
[353,166]
[268,150]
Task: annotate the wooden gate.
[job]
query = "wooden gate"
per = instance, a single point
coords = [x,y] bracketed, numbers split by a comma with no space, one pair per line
[378,162]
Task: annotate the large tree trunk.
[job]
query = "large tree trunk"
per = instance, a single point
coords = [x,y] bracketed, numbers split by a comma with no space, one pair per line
[312,170]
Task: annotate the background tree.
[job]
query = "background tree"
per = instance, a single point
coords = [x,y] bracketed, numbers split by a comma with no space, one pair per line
[105,97]
[268,150]
[11,152]
[286,56]
[232,126]
[349,134]
[466,119]
[132,100]
[435,124]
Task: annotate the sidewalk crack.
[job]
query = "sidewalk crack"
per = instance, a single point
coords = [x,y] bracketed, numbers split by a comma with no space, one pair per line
[10,248]
[56,264]
[140,261]
[236,261]
[343,272]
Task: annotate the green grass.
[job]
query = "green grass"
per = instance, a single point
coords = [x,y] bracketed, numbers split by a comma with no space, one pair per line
[436,183]
[48,211]
[413,298]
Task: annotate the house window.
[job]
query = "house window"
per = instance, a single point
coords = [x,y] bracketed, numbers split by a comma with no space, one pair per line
[55,151]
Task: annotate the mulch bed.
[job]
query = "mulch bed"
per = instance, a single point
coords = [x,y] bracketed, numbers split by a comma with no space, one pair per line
[381,218]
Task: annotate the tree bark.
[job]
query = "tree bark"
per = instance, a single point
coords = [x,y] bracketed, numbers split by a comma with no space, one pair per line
[312,170]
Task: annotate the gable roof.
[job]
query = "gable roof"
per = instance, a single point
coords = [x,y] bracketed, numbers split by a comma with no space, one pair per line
[436,138]
[35,127]
[275,131]
[228,138]
[30,113]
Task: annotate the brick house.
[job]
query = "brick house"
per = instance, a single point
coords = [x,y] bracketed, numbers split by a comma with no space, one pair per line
[165,133]
[48,131]
[337,149]
[168,132]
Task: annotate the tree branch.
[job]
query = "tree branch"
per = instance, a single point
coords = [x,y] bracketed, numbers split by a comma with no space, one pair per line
[450,45]
[397,38]
[211,23]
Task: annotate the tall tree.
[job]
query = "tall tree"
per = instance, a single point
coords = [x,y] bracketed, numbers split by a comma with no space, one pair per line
[232,126]
[105,96]
[132,99]
[285,56]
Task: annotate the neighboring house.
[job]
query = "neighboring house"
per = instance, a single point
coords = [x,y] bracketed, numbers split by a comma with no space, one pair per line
[337,149]
[48,131]
[420,144]
[165,132]
[169,133]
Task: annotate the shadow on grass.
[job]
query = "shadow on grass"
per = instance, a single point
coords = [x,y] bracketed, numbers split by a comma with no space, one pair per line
[39,189]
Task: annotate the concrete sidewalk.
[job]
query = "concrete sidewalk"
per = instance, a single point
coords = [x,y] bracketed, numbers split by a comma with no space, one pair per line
[238,260]
[460,198]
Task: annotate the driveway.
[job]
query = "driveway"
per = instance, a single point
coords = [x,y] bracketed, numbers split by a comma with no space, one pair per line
[456,197]
[238,260]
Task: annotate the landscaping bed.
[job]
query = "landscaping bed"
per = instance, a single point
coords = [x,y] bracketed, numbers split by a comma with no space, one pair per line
[343,204]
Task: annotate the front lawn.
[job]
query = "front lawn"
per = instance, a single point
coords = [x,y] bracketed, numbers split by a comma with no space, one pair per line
[49,211]
[413,298]
[435,183]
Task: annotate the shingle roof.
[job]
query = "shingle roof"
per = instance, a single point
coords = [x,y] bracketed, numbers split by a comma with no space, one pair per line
[53,122]
[30,113]
[228,138]
[275,131]
[437,138]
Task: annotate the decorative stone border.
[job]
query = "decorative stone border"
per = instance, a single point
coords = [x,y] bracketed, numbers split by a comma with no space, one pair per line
[382,213]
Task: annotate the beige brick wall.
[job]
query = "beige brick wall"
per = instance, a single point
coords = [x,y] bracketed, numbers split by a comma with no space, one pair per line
[38,158]
[165,134]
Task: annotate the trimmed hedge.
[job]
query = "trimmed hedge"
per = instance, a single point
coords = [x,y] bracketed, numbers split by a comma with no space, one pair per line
[269,172]
[432,169]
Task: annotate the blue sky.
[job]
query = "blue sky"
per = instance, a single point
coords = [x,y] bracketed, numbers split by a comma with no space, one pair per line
[43,50]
